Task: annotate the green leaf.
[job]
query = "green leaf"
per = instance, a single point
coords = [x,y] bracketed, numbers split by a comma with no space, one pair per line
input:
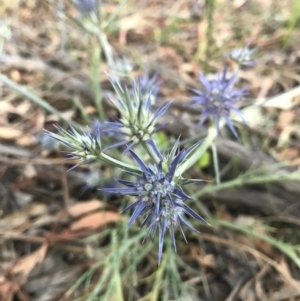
[204,160]
[162,139]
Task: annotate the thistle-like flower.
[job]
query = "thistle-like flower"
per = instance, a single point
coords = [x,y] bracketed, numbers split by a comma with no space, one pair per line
[85,146]
[242,56]
[150,85]
[137,123]
[121,67]
[217,99]
[86,6]
[102,128]
[160,199]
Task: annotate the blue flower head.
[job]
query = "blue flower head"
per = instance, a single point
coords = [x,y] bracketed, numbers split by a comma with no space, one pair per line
[159,197]
[137,122]
[150,85]
[102,128]
[217,99]
[86,6]
[121,67]
[84,146]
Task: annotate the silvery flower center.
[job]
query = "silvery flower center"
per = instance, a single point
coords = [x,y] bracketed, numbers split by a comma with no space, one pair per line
[156,186]
[138,134]
[215,98]
[171,212]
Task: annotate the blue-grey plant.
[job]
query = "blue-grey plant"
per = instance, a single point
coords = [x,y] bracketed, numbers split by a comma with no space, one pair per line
[85,146]
[102,128]
[217,99]
[157,186]
[150,85]
[138,122]
[121,67]
[160,198]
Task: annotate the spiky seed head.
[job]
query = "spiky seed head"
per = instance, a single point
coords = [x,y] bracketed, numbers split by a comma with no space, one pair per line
[84,146]
[217,99]
[137,123]
[121,67]
[159,198]
[150,85]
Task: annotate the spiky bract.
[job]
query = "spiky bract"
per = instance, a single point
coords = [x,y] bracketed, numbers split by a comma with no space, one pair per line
[137,123]
[217,99]
[150,85]
[85,146]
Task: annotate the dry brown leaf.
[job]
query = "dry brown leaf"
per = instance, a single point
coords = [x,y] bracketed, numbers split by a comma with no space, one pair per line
[285,271]
[259,244]
[239,3]
[285,118]
[38,121]
[25,265]
[21,109]
[6,107]
[94,221]
[138,21]
[9,133]
[259,282]
[285,121]
[56,279]
[26,140]
[24,107]
[265,84]
[82,208]
[295,162]
[8,5]
[30,172]
[288,153]
[207,260]
[13,221]
[286,293]
[19,218]
[7,290]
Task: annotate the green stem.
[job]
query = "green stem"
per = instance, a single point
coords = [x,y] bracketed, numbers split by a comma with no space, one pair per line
[97,30]
[114,162]
[114,15]
[158,279]
[95,78]
[216,162]
[150,152]
[117,279]
[103,42]
[210,138]
[82,110]
[248,181]
[210,6]
[286,249]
